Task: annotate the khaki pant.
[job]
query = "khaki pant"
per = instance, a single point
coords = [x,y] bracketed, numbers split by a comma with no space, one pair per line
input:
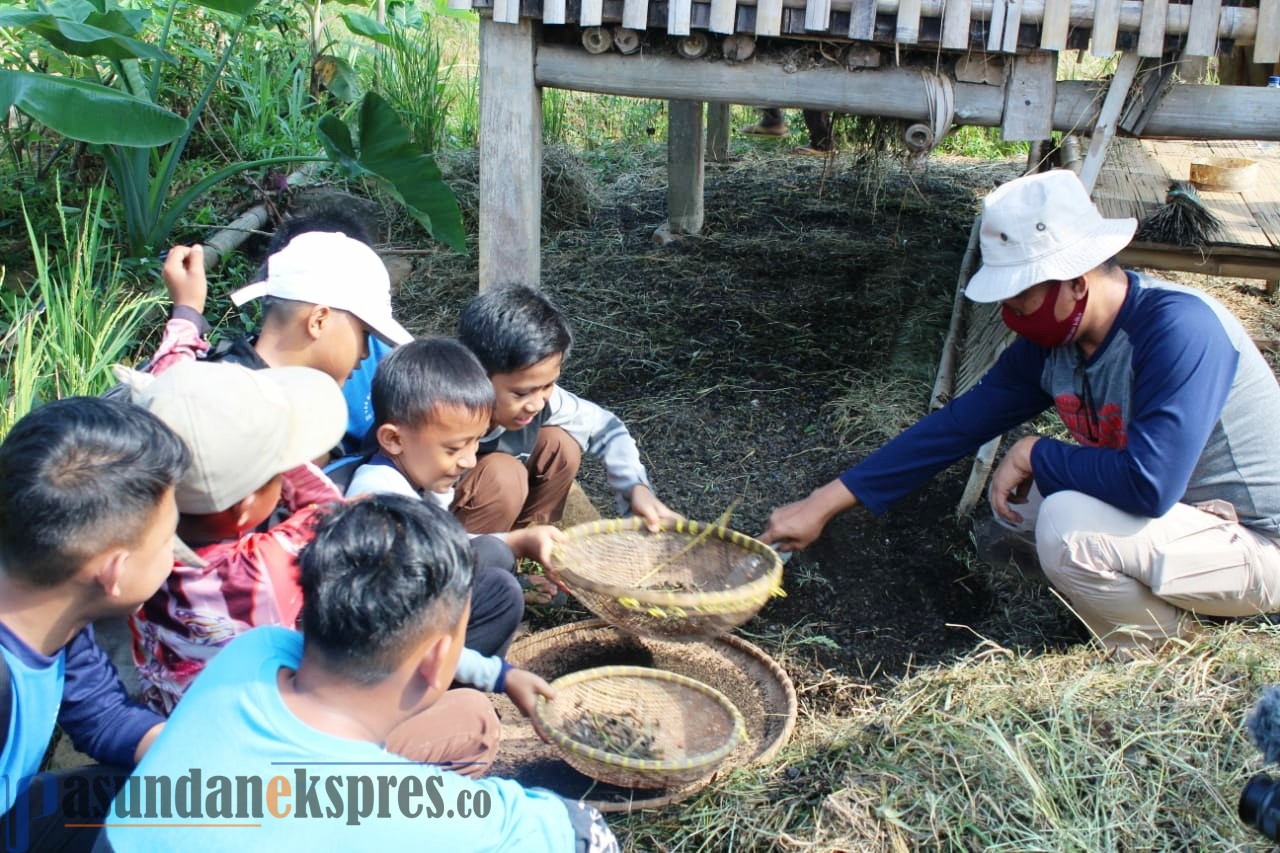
[1135,580]
[502,493]
[460,731]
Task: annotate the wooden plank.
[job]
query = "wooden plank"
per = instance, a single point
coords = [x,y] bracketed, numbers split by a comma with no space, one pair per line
[1151,33]
[678,12]
[510,192]
[862,19]
[1266,45]
[722,15]
[1029,95]
[1187,111]
[1012,25]
[1105,128]
[591,13]
[908,29]
[635,14]
[684,167]
[553,11]
[1106,25]
[768,17]
[506,11]
[1202,31]
[817,15]
[995,26]
[955,24]
[1055,24]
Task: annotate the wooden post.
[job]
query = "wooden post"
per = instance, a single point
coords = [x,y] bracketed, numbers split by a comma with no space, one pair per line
[684,167]
[718,132]
[1108,117]
[510,155]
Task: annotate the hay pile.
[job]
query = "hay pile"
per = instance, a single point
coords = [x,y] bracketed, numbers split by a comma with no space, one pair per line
[1062,751]
[570,190]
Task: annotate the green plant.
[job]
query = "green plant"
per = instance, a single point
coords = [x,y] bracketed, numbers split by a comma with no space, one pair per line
[410,74]
[142,142]
[81,315]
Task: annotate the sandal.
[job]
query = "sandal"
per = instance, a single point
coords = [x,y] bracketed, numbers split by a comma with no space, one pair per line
[541,591]
[810,151]
[759,129]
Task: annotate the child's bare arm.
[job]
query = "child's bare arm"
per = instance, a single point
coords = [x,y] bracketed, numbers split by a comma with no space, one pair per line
[534,543]
[645,504]
[184,277]
[524,687]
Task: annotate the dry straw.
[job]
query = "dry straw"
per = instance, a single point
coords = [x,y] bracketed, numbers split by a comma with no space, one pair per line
[1005,751]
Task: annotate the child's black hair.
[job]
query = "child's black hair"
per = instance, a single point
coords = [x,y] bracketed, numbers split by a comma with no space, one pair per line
[378,575]
[513,326]
[81,475]
[423,375]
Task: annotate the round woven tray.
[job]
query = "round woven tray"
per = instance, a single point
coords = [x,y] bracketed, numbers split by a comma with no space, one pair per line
[688,727]
[753,681]
[689,581]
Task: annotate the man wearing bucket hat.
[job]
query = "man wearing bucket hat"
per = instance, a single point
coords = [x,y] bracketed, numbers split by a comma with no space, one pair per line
[1168,502]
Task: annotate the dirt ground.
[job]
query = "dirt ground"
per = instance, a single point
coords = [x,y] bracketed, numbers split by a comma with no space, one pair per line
[757,360]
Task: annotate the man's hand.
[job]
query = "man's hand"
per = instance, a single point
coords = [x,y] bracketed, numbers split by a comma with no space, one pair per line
[524,688]
[796,525]
[184,277]
[645,504]
[1013,479]
[534,543]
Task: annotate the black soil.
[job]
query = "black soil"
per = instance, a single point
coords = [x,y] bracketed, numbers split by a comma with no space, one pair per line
[759,359]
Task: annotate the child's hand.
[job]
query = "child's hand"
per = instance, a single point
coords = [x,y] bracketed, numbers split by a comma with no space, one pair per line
[184,277]
[524,688]
[535,543]
[645,504]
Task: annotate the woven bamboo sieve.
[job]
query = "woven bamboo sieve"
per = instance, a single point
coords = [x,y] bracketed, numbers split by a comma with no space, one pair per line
[691,727]
[689,581]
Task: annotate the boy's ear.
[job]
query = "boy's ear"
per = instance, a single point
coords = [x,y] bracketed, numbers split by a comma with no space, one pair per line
[434,664]
[318,320]
[389,439]
[110,570]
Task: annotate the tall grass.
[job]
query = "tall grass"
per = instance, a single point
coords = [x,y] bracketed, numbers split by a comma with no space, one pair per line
[82,313]
[412,74]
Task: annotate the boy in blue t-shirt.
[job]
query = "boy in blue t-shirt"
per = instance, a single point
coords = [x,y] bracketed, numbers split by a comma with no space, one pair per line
[300,761]
[87,519]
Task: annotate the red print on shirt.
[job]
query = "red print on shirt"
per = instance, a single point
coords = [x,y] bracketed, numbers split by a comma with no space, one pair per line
[1106,430]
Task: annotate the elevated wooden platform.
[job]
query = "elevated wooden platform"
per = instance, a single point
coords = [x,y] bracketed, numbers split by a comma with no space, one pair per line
[1152,28]
[1138,172]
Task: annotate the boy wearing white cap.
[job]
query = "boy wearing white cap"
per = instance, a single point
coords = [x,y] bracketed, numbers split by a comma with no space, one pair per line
[323,294]
[1169,502]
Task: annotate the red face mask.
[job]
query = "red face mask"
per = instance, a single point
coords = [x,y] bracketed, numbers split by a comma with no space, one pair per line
[1041,327]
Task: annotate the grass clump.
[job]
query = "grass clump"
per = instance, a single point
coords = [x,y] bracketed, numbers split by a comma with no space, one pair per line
[1004,751]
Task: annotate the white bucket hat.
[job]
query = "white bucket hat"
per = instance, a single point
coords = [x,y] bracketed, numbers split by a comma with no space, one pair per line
[1038,228]
[327,268]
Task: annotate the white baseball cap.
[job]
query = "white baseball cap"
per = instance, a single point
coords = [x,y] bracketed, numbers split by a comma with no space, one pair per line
[327,268]
[1042,227]
[242,426]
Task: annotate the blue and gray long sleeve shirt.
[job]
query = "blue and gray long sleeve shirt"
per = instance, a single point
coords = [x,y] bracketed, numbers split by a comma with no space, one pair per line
[1177,404]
